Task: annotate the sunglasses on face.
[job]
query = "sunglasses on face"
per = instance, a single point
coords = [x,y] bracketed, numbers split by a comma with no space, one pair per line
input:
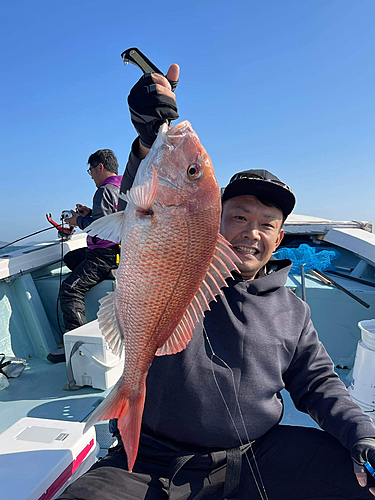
[91,167]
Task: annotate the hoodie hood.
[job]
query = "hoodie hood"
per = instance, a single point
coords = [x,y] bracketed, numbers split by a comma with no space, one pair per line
[276,275]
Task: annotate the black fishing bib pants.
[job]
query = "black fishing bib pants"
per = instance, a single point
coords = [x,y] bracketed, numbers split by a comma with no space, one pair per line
[89,267]
[292,463]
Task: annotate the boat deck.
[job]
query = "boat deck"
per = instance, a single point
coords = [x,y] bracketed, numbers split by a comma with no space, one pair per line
[39,392]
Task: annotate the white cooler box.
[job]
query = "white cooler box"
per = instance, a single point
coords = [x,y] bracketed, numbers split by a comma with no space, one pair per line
[39,458]
[92,362]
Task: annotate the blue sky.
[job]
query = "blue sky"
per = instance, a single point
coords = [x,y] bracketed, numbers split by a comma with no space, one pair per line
[286,85]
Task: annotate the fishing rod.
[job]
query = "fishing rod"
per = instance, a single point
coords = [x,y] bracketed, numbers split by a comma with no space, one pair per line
[64,232]
[24,237]
[327,280]
[352,278]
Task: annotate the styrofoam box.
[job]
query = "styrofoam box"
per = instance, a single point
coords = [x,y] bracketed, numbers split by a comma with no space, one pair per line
[93,363]
[39,458]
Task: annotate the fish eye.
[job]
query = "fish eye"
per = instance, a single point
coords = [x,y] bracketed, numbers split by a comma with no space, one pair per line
[193,171]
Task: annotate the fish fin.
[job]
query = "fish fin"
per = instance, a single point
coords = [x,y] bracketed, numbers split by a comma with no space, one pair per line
[143,196]
[108,227]
[129,425]
[128,409]
[222,264]
[108,323]
[177,341]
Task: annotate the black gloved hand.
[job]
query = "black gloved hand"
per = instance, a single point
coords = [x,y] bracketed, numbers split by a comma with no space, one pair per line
[363,451]
[148,109]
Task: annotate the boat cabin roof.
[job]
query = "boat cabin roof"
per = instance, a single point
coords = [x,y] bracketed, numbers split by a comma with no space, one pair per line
[297,224]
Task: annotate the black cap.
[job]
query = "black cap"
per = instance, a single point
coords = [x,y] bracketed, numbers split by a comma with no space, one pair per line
[261,183]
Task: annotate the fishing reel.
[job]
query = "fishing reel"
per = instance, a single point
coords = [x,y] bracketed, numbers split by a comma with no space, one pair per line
[65,233]
[66,214]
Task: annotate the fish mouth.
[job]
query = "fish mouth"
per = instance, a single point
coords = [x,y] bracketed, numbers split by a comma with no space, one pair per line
[179,129]
[180,132]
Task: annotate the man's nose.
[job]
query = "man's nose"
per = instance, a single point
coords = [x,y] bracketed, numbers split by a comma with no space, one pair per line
[251,232]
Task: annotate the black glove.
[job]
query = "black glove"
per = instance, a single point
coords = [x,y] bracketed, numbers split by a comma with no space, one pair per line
[148,110]
[364,451]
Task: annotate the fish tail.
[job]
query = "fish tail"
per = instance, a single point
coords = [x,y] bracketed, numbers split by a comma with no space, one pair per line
[129,425]
[112,406]
[128,409]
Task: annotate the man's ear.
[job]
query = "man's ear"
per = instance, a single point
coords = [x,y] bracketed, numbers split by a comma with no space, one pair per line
[279,239]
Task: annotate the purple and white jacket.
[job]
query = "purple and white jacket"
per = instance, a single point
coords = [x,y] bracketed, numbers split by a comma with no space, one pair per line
[104,203]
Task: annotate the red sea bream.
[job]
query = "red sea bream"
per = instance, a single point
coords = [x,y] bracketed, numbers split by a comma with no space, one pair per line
[173,263]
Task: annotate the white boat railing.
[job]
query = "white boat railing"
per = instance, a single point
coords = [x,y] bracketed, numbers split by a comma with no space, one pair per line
[34,257]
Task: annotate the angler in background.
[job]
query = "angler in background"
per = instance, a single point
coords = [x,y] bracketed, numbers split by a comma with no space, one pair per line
[96,262]
[211,423]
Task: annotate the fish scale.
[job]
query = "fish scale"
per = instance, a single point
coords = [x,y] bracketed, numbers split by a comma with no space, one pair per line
[173,262]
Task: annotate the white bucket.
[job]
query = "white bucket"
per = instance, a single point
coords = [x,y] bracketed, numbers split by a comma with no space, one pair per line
[362,387]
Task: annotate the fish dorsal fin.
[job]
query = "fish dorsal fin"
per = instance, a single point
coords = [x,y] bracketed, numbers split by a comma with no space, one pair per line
[108,227]
[143,196]
[222,264]
[108,323]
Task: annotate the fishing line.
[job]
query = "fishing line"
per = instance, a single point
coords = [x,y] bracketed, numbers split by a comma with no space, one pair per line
[261,489]
[60,275]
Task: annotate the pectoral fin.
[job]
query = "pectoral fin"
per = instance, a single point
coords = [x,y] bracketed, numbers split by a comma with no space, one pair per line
[108,227]
[108,323]
[143,196]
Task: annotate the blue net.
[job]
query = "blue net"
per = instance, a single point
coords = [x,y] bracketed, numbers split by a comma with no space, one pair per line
[310,257]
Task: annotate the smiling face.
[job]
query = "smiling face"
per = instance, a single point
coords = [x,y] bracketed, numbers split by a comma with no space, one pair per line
[253,230]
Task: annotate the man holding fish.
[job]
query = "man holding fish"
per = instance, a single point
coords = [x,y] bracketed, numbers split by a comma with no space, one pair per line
[208,425]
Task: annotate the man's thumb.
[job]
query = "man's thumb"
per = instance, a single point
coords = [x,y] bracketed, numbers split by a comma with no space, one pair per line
[173,75]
